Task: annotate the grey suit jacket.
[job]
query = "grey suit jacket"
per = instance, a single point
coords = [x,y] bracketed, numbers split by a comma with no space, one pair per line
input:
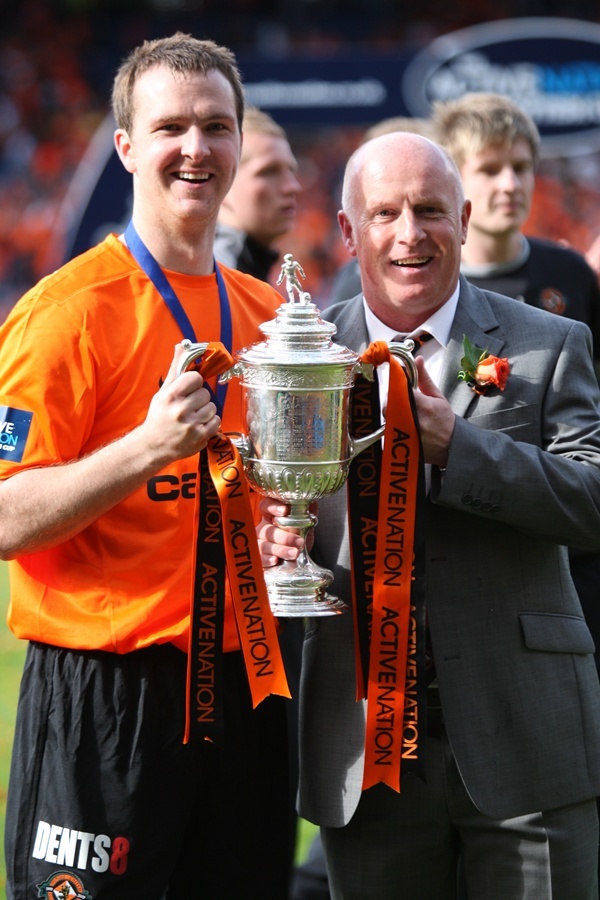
[518,684]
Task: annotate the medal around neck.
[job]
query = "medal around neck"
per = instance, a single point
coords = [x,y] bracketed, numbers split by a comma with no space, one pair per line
[297,445]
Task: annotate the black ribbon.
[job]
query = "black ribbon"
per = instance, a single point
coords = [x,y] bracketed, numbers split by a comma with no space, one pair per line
[363,486]
[363,510]
[205,663]
[207,625]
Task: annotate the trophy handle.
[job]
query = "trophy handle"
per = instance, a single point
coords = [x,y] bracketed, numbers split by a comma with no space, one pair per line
[234,372]
[403,351]
[193,352]
[241,442]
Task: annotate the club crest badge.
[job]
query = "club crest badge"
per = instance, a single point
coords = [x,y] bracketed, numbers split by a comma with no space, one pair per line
[63,886]
[553,301]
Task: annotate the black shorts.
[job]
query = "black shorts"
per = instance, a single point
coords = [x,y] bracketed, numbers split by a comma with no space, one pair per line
[106,801]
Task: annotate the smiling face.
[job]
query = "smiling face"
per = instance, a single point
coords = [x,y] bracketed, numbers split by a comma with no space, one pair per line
[499,181]
[262,199]
[183,152]
[405,219]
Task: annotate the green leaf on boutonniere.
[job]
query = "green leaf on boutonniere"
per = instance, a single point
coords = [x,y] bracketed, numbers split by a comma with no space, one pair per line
[480,370]
[471,359]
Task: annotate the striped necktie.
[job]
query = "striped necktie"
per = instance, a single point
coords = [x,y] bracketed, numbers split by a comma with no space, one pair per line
[419,340]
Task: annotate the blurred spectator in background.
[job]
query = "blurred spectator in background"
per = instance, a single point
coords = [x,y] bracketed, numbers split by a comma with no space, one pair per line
[496,147]
[593,256]
[49,110]
[399,123]
[261,204]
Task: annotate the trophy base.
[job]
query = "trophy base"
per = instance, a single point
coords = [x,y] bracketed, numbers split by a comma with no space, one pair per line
[299,607]
[300,589]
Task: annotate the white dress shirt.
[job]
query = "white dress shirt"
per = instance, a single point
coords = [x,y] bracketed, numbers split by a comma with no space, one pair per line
[438,325]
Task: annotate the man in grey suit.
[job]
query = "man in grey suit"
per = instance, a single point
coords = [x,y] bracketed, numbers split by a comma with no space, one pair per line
[513,755]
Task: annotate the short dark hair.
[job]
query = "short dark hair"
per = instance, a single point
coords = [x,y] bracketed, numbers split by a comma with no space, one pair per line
[180,53]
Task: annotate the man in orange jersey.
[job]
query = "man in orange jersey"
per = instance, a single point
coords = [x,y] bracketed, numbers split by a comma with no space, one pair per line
[138,757]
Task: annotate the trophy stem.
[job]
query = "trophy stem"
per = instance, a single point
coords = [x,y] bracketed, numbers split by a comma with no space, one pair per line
[299,587]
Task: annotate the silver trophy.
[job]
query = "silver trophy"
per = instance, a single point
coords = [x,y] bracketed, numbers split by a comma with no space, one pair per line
[297,446]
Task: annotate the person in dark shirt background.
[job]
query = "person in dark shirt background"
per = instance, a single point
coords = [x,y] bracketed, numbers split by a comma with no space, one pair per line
[261,204]
[496,146]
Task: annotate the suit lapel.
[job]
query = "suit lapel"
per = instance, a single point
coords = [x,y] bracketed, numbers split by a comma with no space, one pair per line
[351,325]
[475,319]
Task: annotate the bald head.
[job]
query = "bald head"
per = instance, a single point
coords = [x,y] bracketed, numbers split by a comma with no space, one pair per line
[382,151]
[405,218]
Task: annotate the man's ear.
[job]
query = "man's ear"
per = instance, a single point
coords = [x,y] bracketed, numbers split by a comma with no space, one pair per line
[464,220]
[124,149]
[347,235]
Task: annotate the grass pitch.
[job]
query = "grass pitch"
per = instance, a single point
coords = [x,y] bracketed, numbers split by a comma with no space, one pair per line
[12,655]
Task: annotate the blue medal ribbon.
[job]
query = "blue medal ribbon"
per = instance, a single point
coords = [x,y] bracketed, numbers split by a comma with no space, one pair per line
[149,265]
[204,719]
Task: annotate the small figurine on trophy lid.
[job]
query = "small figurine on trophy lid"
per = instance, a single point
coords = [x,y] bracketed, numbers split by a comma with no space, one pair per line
[290,271]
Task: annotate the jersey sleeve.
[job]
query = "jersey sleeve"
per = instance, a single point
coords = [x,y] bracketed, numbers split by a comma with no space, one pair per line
[47,385]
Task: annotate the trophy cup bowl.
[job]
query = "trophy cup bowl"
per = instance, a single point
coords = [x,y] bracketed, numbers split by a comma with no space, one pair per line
[297,445]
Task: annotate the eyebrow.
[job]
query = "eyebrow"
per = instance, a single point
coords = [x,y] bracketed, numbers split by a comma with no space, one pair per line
[210,116]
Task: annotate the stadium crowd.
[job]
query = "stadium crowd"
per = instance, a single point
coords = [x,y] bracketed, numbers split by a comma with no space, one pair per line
[56,61]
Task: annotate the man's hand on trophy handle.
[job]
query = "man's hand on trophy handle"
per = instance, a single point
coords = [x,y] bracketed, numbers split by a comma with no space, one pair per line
[278,544]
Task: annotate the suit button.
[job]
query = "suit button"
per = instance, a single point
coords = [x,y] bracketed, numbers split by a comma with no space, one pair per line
[495,510]
[467,499]
[476,504]
[486,506]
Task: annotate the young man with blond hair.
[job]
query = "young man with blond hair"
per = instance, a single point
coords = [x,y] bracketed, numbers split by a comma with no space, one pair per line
[496,146]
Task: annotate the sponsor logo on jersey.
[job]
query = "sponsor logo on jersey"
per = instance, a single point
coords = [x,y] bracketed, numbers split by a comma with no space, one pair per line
[170,487]
[14,430]
[63,886]
[82,849]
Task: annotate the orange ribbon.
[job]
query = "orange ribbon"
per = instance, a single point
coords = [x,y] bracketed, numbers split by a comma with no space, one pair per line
[392,727]
[255,622]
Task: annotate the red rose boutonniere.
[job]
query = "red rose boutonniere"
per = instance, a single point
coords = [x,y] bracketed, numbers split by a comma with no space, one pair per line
[480,370]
